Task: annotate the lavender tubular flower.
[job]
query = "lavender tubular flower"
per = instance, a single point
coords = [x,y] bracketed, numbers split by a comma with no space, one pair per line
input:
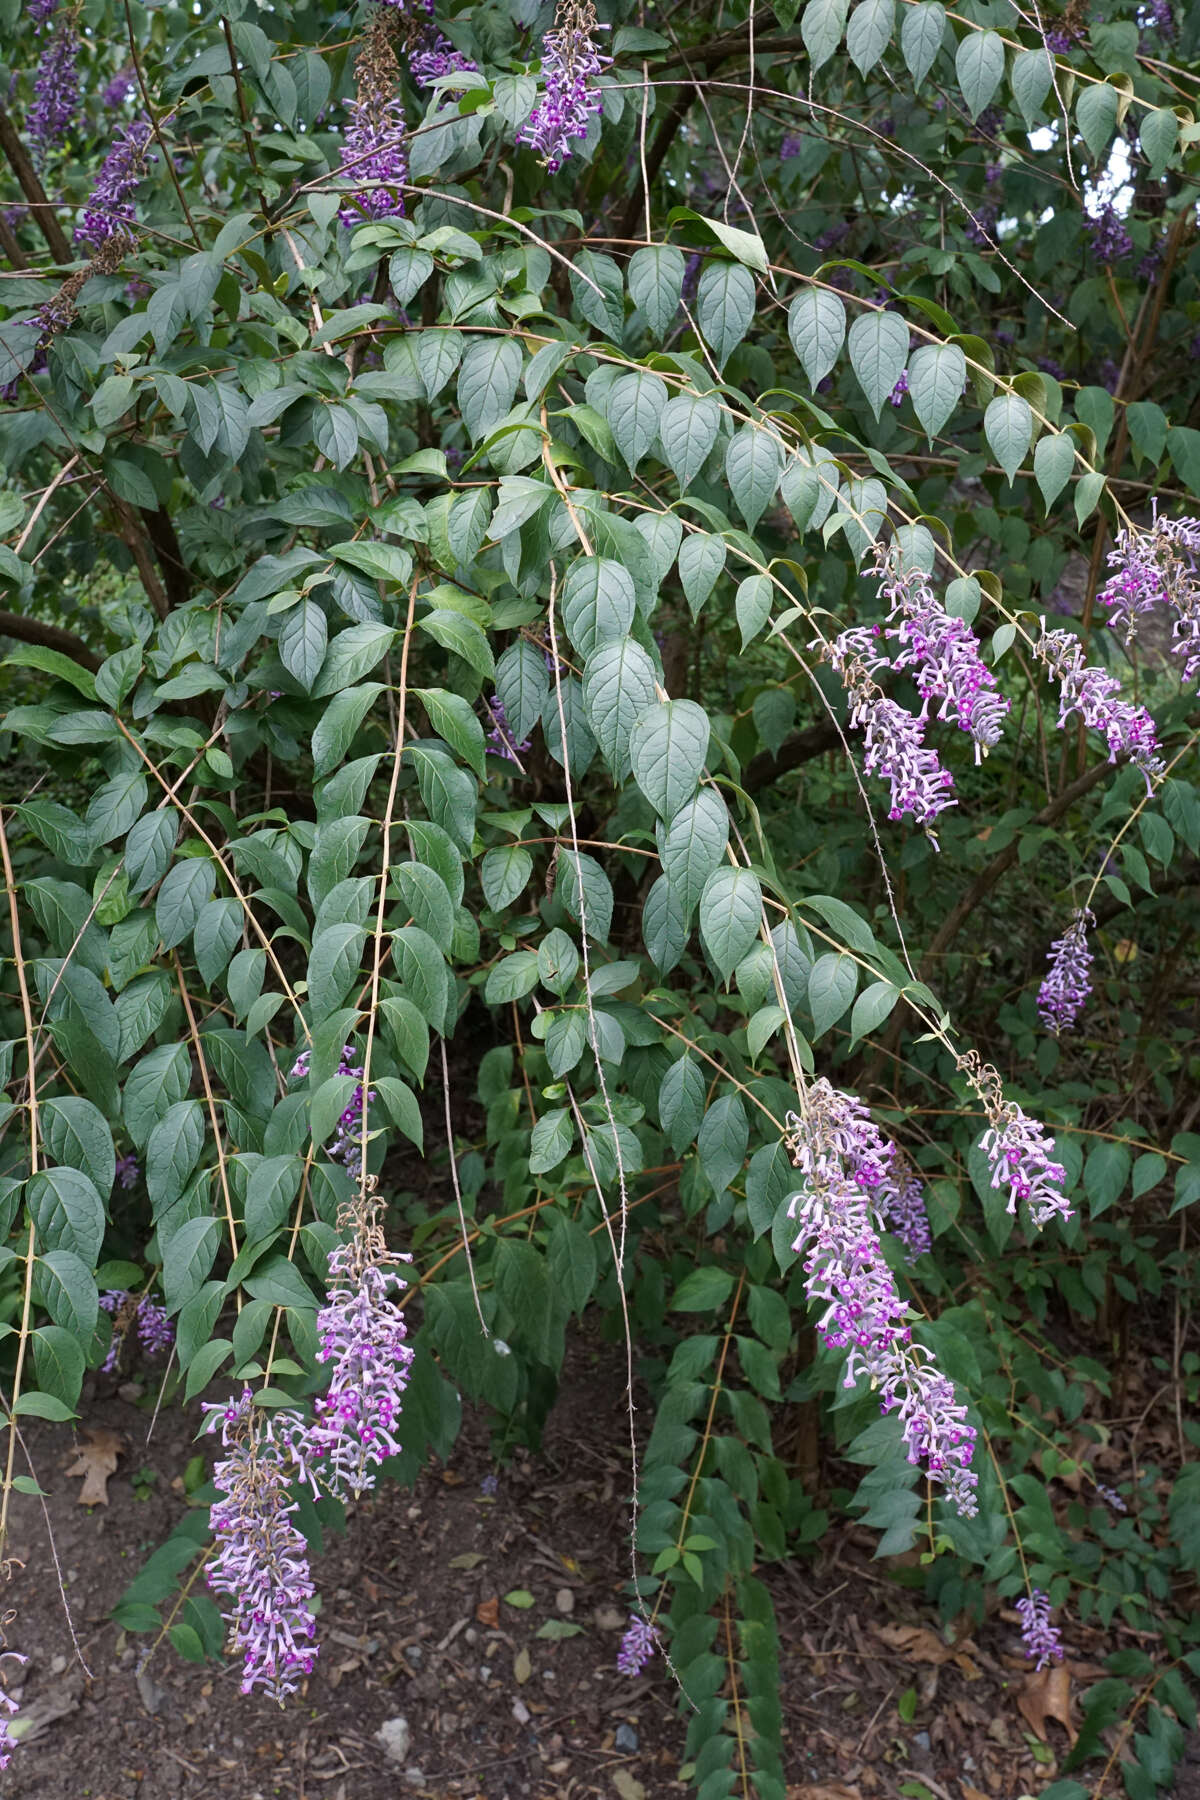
[109,213]
[1065,989]
[570,60]
[155,1331]
[1153,568]
[434,57]
[128,1170]
[41,12]
[375,157]
[501,740]
[1111,242]
[8,1708]
[895,746]
[1092,693]
[902,1202]
[637,1646]
[942,651]
[346,1144]
[362,1334]
[1020,1156]
[845,1163]
[55,90]
[122,84]
[261,1562]
[1042,1640]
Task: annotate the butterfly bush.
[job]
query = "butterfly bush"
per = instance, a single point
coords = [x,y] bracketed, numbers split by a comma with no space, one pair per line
[570,61]
[902,1204]
[1065,989]
[261,1560]
[110,211]
[155,1332]
[637,1646]
[941,651]
[434,56]
[1019,1151]
[361,1335]
[346,1144]
[1153,569]
[501,739]
[374,157]
[1094,694]
[1042,1640]
[55,90]
[844,1160]
[894,738]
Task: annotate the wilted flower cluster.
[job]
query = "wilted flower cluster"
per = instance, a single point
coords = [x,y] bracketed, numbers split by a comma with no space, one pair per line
[261,1561]
[361,1334]
[570,61]
[1093,693]
[55,89]
[637,1646]
[1064,992]
[1155,568]
[155,1331]
[109,212]
[895,740]
[1042,1640]
[346,1144]
[844,1161]
[8,1708]
[375,157]
[501,740]
[942,651]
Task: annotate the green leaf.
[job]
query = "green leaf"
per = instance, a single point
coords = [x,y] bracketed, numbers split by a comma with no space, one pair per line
[753,464]
[722,1141]
[172,1152]
[64,1286]
[878,346]
[511,978]
[921,37]
[752,605]
[402,1108]
[67,1213]
[668,747]
[1008,427]
[76,1135]
[351,655]
[869,32]
[1096,116]
[453,718]
[831,984]
[1032,79]
[598,603]
[619,684]
[701,560]
[598,293]
[979,65]
[421,969]
[730,916]
[188,1256]
[504,874]
[333,965]
[1158,136]
[705,1290]
[936,376]
[872,1007]
[688,430]
[665,929]
[681,1102]
[817,329]
[1148,427]
[821,28]
[302,642]
[634,405]
[522,687]
[339,724]
[692,845]
[586,892]
[1053,460]
[487,383]
[551,1141]
[1104,1175]
[724,306]
[655,276]
[461,635]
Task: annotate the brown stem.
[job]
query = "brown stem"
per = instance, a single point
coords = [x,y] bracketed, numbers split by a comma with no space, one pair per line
[33,190]
[244,110]
[51,637]
[176,577]
[814,740]
[663,139]
[10,246]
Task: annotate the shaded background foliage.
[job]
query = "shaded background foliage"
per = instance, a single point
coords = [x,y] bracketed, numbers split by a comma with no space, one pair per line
[289,488]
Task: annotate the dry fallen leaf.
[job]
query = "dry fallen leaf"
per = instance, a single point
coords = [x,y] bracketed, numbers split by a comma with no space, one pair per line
[1047,1695]
[824,1791]
[470,1559]
[973,1793]
[522,1667]
[627,1785]
[96,1460]
[488,1611]
[915,1642]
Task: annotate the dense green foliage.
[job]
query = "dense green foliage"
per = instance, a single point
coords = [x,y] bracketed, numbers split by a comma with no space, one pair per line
[288,498]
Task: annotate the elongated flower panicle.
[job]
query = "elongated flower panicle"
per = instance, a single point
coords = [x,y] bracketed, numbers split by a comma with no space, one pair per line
[55,89]
[570,61]
[1158,568]
[128,1170]
[1019,1152]
[361,1334]
[155,1332]
[942,651]
[346,1144]
[902,1203]
[637,1646]
[501,739]
[374,156]
[1093,693]
[1042,1640]
[1065,989]
[895,740]
[110,213]
[844,1162]
[8,1710]
[434,56]
[261,1562]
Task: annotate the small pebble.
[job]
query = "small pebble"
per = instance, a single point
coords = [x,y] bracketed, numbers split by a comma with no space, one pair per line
[921,1740]
[625,1738]
[564,1600]
[485,1672]
[395,1735]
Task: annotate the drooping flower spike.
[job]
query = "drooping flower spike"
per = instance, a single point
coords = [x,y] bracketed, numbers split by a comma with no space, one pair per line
[109,214]
[895,740]
[1042,1640]
[568,102]
[1065,989]
[1094,694]
[845,1163]
[1019,1151]
[8,1709]
[55,105]
[637,1646]
[1158,568]
[374,156]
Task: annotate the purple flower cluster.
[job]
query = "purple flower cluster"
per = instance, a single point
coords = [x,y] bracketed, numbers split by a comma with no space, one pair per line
[55,90]
[1064,992]
[901,388]
[901,1199]
[1110,242]
[361,1334]
[128,1170]
[1111,1498]
[110,212]
[1020,1156]
[981,226]
[1158,568]
[1093,693]
[942,651]
[119,88]
[346,1146]
[1160,16]
[41,12]
[895,740]
[790,147]
[375,157]
[261,1561]
[844,1162]
[8,1707]
[436,56]
[1042,1640]
[155,1331]
[637,1646]
[570,61]
[500,738]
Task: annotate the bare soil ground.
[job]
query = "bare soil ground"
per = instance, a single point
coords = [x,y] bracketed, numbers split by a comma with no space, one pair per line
[419,1624]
